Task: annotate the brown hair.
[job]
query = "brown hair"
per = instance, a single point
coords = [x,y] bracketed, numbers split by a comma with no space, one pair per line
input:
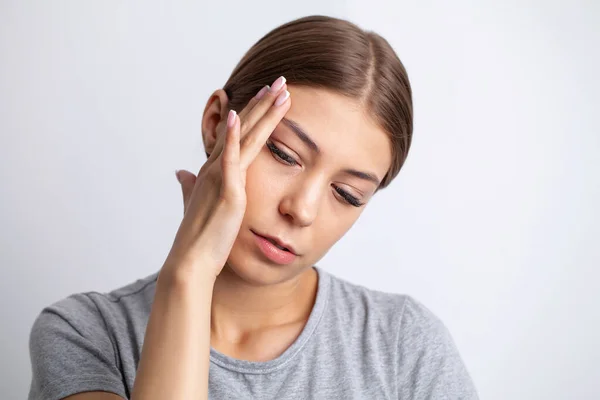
[335,54]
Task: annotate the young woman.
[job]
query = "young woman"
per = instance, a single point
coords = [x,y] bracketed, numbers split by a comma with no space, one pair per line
[314,120]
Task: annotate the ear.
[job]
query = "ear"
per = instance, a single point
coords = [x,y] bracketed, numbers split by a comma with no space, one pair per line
[214,119]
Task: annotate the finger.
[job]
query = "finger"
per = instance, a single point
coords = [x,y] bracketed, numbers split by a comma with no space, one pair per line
[216,152]
[254,140]
[187,180]
[255,109]
[220,142]
[253,101]
[262,106]
[230,159]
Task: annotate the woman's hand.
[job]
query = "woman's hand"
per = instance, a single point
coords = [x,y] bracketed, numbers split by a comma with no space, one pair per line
[174,363]
[215,201]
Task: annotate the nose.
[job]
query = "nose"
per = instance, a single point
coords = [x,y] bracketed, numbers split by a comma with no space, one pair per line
[301,203]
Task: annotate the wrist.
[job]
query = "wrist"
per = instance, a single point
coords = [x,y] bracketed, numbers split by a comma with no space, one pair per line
[183,275]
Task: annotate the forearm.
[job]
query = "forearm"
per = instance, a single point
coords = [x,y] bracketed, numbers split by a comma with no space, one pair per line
[175,357]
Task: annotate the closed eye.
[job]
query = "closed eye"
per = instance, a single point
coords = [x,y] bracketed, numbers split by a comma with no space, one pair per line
[348,198]
[280,154]
[283,157]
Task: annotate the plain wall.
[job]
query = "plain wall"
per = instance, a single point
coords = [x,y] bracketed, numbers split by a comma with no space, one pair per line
[493,223]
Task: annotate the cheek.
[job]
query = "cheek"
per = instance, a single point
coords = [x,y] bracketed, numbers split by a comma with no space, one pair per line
[264,184]
[331,229]
[335,223]
[267,181]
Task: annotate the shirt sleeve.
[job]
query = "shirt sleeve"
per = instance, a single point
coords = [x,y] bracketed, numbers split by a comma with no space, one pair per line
[71,352]
[430,366]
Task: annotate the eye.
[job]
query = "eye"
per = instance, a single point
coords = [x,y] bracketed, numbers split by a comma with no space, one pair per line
[280,154]
[348,198]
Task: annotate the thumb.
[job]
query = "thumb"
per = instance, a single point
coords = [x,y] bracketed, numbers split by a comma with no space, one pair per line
[187,180]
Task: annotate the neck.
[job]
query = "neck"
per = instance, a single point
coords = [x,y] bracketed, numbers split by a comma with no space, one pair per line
[239,308]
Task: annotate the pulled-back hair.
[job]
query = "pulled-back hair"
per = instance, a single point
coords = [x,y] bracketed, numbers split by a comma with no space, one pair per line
[337,55]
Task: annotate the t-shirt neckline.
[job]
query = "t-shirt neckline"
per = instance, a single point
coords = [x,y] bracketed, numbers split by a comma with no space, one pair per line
[264,367]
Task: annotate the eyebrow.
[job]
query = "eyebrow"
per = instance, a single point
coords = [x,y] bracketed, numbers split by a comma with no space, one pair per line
[363,175]
[303,136]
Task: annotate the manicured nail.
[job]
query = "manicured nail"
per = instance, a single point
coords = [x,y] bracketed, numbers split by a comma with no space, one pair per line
[262,92]
[282,98]
[278,84]
[231,118]
[177,175]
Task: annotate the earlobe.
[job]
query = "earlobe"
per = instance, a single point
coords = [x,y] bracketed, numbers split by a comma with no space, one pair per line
[214,119]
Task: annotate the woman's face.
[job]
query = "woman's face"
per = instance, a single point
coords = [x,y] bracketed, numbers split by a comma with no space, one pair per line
[308,185]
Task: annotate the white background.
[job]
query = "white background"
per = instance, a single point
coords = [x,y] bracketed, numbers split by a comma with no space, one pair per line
[493,223]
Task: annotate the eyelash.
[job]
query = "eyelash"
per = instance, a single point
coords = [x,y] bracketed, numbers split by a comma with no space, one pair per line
[353,201]
[286,159]
[280,154]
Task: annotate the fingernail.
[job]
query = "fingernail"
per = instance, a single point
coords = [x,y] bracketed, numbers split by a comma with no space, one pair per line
[278,84]
[282,98]
[262,92]
[177,175]
[231,118]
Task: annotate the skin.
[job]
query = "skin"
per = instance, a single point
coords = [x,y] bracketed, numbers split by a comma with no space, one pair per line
[234,299]
[260,308]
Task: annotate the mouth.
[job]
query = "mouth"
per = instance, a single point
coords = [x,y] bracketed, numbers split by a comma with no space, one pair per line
[281,245]
[274,250]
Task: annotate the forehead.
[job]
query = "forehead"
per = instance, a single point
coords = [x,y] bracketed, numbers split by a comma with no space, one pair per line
[341,128]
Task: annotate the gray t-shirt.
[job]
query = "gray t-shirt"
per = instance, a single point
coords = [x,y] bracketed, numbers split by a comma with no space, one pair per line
[357,344]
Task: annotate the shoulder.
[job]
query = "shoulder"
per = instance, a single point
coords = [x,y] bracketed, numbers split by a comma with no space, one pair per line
[85,309]
[429,363]
[407,316]
[90,315]
[74,343]
[426,361]
[420,326]
[94,316]
[360,302]
[404,315]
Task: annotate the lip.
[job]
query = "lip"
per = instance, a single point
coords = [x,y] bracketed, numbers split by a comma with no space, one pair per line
[278,241]
[273,253]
